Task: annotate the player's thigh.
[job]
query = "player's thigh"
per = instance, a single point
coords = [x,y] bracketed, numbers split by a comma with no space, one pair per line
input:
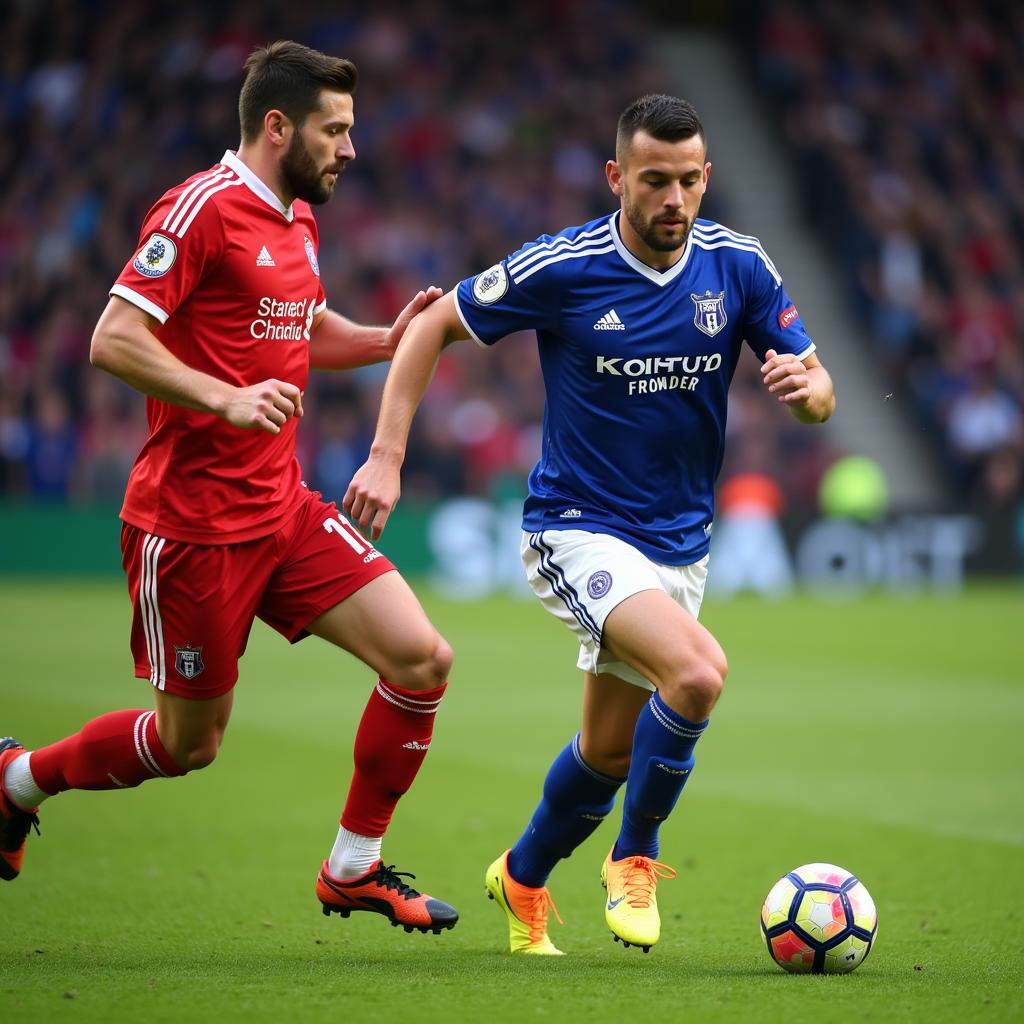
[580,576]
[384,625]
[610,710]
[324,561]
[653,634]
[193,607]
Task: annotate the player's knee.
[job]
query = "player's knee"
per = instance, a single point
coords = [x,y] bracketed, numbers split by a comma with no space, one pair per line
[429,665]
[697,688]
[193,754]
[612,762]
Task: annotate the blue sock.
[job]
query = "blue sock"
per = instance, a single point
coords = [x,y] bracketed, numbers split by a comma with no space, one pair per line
[576,799]
[661,763]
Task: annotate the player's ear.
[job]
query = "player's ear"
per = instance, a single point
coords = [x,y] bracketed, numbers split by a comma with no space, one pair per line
[277,127]
[614,173]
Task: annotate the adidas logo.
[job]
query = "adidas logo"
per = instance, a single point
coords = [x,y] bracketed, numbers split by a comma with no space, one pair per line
[415,745]
[610,322]
[265,259]
[571,513]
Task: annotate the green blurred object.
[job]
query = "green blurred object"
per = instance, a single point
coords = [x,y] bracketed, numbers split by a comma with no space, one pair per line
[854,487]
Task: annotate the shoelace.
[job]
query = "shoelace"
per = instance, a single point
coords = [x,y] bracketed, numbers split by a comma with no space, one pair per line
[641,878]
[537,913]
[389,878]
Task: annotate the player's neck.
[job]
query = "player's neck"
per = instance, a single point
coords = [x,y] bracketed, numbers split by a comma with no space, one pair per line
[266,169]
[637,247]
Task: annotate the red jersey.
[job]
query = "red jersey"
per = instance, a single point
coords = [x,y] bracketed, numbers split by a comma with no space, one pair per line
[232,276]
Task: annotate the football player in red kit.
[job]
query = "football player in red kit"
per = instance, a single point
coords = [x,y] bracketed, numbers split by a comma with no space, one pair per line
[217,319]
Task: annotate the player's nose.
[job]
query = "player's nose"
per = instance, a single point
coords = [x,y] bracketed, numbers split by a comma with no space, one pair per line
[674,197]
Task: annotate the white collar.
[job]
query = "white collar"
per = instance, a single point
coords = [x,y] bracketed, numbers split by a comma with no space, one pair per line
[256,185]
[659,277]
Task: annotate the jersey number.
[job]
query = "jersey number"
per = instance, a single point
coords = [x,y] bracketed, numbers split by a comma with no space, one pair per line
[347,533]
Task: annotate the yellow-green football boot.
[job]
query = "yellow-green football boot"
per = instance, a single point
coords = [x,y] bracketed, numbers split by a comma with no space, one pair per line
[631,909]
[525,908]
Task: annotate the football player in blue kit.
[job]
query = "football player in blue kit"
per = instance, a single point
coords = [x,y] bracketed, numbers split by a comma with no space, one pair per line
[640,319]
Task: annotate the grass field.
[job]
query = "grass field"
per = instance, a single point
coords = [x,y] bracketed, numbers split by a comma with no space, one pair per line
[883,735]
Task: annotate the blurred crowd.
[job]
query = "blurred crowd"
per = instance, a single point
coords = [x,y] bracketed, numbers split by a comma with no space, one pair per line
[906,125]
[477,129]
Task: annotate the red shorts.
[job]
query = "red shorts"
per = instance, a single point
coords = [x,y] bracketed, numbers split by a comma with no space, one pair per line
[194,604]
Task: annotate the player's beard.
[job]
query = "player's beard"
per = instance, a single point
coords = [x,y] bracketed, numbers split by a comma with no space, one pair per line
[648,229]
[302,177]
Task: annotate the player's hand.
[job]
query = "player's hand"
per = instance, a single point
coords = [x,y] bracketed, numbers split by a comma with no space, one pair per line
[419,303]
[265,406]
[372,494]
[786,377]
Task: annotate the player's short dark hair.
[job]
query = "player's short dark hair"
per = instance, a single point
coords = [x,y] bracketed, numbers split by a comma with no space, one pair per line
[288,76]
[666,118]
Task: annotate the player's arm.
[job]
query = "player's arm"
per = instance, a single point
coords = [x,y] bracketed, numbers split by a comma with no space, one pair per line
[336,343]
[803,385]
[124,345]
[375,488]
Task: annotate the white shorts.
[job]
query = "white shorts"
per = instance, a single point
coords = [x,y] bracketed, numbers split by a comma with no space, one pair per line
[581,576]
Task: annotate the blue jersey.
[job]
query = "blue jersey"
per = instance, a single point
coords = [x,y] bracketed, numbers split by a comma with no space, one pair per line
[637,364]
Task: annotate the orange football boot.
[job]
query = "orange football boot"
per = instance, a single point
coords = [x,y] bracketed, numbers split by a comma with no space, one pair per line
[14,822]
[382,891]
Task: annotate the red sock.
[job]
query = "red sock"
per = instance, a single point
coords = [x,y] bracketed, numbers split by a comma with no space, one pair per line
[114,751]
[391,742]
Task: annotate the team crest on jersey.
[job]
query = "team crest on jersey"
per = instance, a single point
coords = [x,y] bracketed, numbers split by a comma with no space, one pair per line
[188,661]
[709,312]
[311,255]
[599,584]
[156,257]
[490,285]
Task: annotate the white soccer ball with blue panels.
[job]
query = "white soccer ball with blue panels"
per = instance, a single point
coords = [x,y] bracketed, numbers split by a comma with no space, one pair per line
[819,919]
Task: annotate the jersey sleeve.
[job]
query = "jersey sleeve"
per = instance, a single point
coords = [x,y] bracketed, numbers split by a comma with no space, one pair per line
[772,318]
[518,294]
[314,262]
[174,254]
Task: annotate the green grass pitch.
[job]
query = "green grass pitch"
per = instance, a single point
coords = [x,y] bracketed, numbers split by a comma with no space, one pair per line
[882,734]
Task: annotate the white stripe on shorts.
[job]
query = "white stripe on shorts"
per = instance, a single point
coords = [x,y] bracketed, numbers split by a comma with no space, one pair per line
[562,587]
[152,625]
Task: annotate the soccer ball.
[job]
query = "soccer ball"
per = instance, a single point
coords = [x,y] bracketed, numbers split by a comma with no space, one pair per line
[819,919]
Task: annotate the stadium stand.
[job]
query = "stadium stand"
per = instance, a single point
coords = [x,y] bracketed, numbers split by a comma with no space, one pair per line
[470,144]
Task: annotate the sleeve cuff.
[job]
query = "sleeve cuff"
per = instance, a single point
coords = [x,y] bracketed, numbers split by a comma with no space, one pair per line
[146,305]
[465,322]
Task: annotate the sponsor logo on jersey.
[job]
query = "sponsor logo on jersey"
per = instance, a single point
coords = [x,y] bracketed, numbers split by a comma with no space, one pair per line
[787,316]
[307,243]
[571,513]
[188,661]
[156,257]
[610,322]
[282,320]
[599,584]
[265,259]
[709,312]
[491,285]
[649,365]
